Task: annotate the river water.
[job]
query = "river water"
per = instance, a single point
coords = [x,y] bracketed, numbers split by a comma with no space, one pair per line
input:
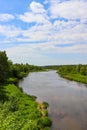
[67,99]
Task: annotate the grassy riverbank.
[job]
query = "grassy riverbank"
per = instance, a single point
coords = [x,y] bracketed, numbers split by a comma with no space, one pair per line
[75,77]
[74,72]
[19,111]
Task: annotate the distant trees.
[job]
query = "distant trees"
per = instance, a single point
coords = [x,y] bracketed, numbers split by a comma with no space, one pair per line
[21,70]
[12,72]
[4,66]
[74,69]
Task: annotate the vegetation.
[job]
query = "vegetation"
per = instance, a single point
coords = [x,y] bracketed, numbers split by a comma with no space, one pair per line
[74,72]
[19,111]
[51,67]
[18,71]
[4,67]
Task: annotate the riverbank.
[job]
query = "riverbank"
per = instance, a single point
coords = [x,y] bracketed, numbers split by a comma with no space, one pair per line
[75,77]
[19,111]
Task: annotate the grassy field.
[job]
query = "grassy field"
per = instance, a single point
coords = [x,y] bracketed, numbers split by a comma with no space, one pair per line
[75,77]
[19,111]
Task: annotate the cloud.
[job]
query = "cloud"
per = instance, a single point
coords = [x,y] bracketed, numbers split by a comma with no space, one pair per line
[6,17]
[37,7]
[49,37]
[60,31]
[30,17]
[69,9]
[36,14]
[27,53]
[40,53]
[9,31]
[61,28]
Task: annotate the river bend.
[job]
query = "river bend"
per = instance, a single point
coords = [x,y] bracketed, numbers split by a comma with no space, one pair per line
[67,99]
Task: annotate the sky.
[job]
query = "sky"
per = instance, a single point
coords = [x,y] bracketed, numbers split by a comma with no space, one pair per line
[44,32]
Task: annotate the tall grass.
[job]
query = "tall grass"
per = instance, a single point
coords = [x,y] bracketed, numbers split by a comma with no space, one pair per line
[20,112]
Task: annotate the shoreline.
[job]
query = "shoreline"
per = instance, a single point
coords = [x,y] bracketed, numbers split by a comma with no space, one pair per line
[17,105]
[74,77]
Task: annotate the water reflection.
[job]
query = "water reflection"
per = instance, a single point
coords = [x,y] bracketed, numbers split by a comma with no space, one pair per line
[67,99]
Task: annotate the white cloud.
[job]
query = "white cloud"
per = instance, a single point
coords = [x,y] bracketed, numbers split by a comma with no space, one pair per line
[9,30]
[37,14]
[26,53]
[37,7]
[38,53]
[69,10]
[30,17]
[76,34]
[38,32]
[47,36]
[6,17]
[60,31]
[62,25]
[51,1]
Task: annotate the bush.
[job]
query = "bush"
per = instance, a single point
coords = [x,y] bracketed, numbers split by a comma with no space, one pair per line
[12,80]
[45,104]
[44,122]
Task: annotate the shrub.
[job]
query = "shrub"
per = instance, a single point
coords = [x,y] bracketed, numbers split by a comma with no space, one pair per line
[44,122]
[45,104]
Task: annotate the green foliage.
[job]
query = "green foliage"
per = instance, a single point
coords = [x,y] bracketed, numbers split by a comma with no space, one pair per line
[13,104]
[44,122]
[3,95]
[4,66]
[21,70]
[45,111]
[13,72]
[83,70]
[45,104]
[12,80]
[74,72]
[20,112]
[76,77]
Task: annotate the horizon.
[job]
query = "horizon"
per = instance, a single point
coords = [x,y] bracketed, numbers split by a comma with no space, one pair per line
[49,32]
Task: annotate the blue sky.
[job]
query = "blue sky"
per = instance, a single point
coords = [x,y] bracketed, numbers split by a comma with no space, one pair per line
[44,32]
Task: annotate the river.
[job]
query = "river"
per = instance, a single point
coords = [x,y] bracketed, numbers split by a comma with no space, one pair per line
[67,99]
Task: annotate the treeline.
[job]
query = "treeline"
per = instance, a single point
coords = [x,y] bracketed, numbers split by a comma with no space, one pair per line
[51,67]
[12,72]
[74,69]
[74,72]
[18,71]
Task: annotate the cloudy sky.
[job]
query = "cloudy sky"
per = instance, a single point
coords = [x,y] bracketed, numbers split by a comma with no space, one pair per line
[44,32]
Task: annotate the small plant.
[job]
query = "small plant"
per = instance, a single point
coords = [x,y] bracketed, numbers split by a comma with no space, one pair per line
[46,105]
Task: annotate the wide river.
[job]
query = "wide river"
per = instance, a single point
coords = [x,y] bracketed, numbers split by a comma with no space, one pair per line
[67,99]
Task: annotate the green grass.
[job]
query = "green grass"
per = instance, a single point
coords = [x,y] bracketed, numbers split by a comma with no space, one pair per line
[20,111]
[75,77]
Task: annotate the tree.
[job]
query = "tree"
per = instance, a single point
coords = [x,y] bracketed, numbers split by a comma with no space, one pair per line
[4,66]
[83,70]
[78,67]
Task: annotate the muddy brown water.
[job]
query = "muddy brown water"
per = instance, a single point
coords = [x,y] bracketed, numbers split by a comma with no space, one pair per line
[67,99]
